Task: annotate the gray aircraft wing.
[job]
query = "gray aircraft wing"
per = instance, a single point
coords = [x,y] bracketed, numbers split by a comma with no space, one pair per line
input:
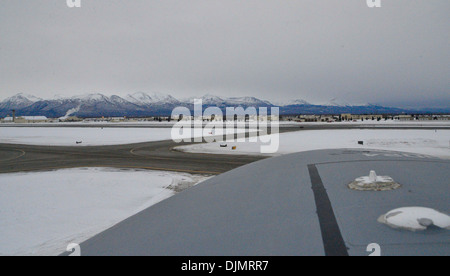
[297,204]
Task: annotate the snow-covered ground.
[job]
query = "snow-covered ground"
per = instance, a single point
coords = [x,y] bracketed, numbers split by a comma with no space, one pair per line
[58,136]
[428,142]
[42,212]
[90,136]
[68,134]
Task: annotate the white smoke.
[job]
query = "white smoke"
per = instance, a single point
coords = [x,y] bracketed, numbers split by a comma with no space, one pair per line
[70,112]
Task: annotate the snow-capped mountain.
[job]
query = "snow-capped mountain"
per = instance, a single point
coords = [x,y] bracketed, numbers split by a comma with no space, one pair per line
[212,100]
[91,105]
[97,97]
[19,101]
[247,101]
[292,102]
[207,100]
[143,104]
[336,102]
[142,98]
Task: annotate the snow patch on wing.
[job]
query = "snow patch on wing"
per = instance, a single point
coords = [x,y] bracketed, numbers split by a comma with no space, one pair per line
[415,219]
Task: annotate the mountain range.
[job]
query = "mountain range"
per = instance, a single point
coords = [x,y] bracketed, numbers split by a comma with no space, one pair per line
[143,104]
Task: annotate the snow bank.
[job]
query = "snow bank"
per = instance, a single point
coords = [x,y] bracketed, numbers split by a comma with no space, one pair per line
[41,213]
[427,142]
[415,219]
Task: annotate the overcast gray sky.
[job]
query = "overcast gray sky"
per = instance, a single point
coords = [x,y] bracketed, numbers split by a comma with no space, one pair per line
[276,50]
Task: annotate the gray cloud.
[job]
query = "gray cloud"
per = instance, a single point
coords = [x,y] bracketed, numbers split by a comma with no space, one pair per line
[276,50]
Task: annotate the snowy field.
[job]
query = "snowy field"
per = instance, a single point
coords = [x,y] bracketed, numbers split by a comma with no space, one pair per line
[42,212]
[89,136]
[427,142]
[127,133]
[57,136]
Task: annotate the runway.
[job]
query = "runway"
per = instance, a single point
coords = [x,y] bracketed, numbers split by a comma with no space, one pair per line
[151,155]
[157,155]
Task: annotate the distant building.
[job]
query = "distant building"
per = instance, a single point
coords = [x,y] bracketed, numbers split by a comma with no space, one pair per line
[26,119]
[309,118]
[7,120]
[328,118]
[443,118]
[404,118]
[424,118]
[346,117]
[370,117]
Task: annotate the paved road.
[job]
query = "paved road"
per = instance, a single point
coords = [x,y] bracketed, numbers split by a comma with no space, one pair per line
[150,155]
[297,204]
[153,155]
